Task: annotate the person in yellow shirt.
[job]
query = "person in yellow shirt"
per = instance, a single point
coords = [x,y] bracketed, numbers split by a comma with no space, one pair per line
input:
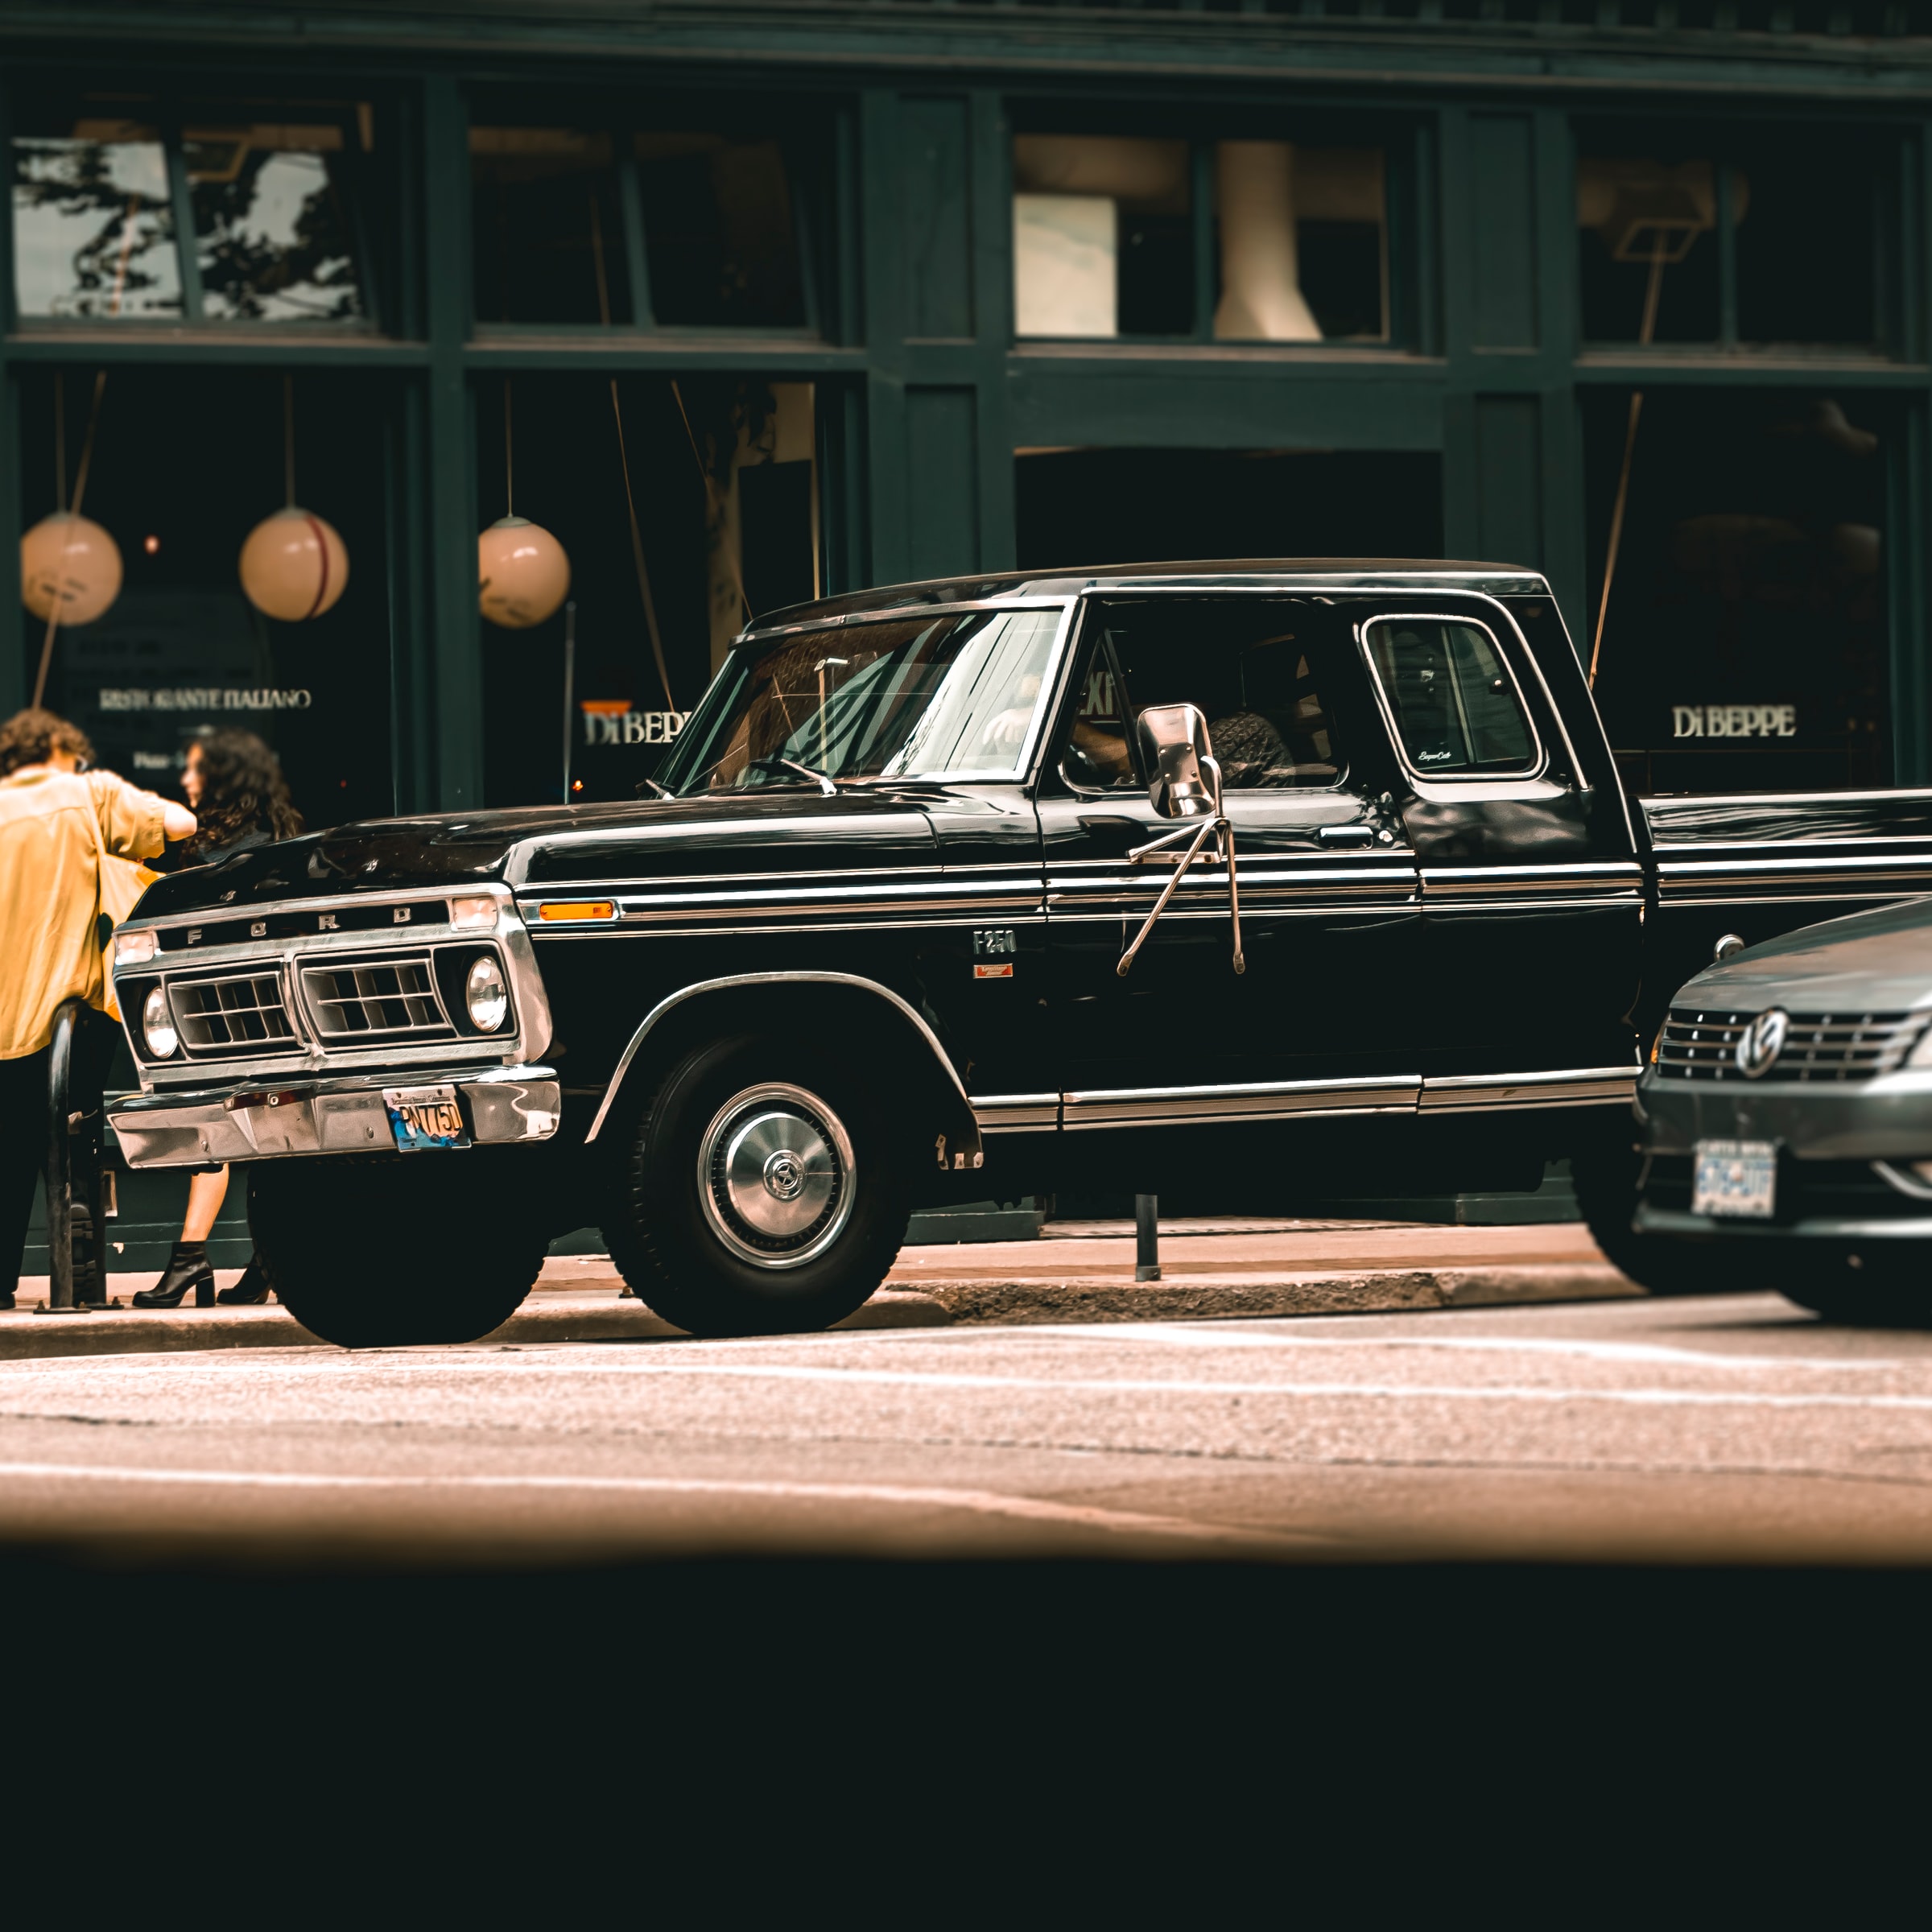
[56,818]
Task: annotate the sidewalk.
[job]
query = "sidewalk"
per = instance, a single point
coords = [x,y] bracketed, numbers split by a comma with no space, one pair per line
[1084,1272]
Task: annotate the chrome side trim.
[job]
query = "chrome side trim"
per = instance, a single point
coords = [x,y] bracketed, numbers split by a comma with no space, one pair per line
[1567,1087]
[1261,1100]
[1016,1112]
[768,979]
[1533,885]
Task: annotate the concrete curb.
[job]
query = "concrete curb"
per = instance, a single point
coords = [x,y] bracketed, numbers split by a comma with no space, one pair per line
[603,1317]
[1197,1298]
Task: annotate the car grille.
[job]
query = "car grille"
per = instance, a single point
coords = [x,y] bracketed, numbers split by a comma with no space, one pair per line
[242,1014]
[1819,1048]
[375,998]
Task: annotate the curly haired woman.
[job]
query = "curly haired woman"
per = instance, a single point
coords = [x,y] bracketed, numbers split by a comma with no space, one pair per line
[239,797]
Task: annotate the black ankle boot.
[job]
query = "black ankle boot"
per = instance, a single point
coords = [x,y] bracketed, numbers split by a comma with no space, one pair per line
[187,1268]
[251,1291]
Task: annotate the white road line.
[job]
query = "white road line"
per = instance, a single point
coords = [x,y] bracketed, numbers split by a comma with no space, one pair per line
[1203,1337]
[914,1378]
[985,1502]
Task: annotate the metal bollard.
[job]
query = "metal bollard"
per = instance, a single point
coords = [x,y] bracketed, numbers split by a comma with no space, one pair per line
[75,1230]
[1146,1237]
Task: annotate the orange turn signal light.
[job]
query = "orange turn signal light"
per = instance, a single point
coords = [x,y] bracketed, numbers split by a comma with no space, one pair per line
[553,912]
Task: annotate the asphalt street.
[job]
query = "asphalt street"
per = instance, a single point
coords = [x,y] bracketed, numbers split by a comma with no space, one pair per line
[1727,1430]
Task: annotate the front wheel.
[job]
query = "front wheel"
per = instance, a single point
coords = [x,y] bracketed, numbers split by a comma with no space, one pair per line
[1604,1169]
[758,1192]
[386,1251]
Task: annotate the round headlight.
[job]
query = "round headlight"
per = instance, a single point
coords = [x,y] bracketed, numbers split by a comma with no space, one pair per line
[157,1024]
[485,994]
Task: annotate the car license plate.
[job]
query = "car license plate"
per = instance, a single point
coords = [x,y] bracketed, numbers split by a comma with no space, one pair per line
[425,1117]
[1737,1178]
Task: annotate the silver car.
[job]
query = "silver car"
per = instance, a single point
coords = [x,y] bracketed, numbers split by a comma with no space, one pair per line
[1786,1117]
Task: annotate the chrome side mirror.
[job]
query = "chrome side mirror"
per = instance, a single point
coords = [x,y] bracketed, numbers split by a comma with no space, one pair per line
[1185,781]
[1731,942]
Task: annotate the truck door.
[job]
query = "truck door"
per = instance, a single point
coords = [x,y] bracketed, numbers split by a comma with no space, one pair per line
[1318,1022]
[1532,900]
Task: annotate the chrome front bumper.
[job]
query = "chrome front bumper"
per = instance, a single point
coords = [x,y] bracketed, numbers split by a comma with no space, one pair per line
[262,1120]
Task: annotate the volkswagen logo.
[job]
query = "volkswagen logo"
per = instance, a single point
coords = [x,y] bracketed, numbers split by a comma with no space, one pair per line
[1761,1042]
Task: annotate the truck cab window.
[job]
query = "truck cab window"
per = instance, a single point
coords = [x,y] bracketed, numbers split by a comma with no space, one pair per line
[1240,660]
[1450,698]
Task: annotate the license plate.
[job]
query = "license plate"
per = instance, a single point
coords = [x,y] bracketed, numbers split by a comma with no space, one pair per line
[1737,1178]
[425,1117]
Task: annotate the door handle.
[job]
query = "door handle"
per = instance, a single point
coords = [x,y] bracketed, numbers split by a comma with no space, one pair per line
[1354,835]
[1115,823]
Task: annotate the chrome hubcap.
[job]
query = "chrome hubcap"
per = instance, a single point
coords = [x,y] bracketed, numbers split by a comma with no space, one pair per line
[775,1175]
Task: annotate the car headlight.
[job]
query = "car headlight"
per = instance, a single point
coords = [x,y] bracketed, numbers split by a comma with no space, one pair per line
[157,1024]
[1921,1055]
[484,994]
[131,948]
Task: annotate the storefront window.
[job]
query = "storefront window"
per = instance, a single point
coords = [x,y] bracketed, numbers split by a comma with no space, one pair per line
[545,228]
[586,226]
[1743,640]
[184,465]
[1107,240]
[93,224]
[1737,242]
[96,201]
[682,507]
[720,232]
[273,234]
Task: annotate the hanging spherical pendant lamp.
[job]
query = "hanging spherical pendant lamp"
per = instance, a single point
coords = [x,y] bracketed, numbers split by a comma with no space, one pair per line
[70,569]
[293,565]
[522,573]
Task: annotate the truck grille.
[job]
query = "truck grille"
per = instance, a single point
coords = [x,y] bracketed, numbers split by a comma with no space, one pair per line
[1819,1047]
[386,998]
[241,1014]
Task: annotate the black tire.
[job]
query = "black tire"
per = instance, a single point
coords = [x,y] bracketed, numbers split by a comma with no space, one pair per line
[775,1239]
[389,1251]
[1604,1169]
[1879,1291]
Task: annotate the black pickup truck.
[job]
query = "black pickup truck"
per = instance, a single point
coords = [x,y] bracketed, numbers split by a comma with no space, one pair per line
[1268,880]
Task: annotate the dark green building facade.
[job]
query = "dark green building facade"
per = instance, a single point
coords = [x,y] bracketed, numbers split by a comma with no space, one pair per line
[742,301]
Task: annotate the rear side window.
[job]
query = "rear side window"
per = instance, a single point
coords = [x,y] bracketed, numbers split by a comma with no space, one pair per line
[1450,698]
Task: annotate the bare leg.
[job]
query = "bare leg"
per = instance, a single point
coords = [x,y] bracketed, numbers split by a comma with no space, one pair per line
[205,1195]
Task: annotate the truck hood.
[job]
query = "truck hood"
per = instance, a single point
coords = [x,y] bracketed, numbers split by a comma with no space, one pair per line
[652,838]
[1872,962]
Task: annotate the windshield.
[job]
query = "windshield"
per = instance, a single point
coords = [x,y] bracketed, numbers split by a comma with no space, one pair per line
[914,698]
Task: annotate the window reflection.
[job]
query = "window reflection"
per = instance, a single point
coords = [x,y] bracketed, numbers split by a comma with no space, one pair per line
[1733,242]
[546,229]
[93,228]
[1102,236]
[1105,240]
[272,228]
[1301,242]
[1743,644]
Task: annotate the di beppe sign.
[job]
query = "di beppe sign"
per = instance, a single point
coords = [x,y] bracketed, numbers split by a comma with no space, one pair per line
[1734,720]
[606,722]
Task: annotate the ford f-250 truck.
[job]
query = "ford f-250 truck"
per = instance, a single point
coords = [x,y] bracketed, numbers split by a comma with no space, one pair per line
[1279,879]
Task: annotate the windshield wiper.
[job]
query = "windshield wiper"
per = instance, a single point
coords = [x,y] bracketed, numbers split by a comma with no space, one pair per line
[663,791]
[804,771]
